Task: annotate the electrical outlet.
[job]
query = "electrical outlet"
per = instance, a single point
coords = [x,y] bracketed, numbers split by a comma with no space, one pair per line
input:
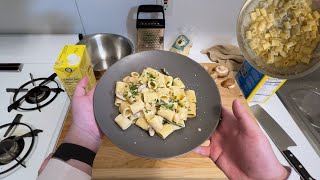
[167,6]
[147,2]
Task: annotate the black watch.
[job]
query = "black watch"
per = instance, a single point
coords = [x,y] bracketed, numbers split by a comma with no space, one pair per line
[67,151]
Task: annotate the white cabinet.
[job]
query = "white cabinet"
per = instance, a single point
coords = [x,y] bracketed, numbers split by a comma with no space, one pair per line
[39,16]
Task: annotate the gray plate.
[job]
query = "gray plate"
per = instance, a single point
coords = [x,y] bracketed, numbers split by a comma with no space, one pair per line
[137,141]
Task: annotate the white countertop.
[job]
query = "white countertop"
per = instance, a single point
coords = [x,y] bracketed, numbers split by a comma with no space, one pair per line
[32,48]
[303,151]
[202,41]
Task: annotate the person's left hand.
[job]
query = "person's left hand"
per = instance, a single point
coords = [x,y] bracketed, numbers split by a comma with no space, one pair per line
[84,130]
[82,110]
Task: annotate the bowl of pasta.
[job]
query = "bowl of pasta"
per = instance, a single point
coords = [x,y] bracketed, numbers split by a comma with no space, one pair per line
[280,38]
[157,104]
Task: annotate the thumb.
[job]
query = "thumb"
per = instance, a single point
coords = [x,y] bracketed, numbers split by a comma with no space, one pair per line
[81,87]
[246,123]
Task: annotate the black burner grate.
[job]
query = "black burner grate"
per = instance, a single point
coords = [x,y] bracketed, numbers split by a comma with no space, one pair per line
[15,153]
[35,95]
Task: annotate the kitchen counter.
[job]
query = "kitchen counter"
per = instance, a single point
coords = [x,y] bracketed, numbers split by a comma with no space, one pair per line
[201,41]
[303,151]
[33,48]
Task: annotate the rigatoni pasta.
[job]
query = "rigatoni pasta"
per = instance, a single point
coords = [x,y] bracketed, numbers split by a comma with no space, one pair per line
[155,102]
[283,32]
[123,121]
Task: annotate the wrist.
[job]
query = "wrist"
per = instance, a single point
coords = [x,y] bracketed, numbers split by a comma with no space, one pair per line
[81,137]
[282,173]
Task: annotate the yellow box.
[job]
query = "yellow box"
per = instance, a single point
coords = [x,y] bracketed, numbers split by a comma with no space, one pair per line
[72,65]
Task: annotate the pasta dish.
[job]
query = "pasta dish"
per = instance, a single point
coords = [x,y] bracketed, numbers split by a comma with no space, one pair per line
[154,101]
[284,32]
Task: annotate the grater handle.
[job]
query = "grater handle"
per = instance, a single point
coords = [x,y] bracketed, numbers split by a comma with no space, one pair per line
[150,8]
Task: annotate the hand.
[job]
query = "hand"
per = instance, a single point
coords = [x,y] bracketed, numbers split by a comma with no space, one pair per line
[241,150]
[84,129]
[82,110]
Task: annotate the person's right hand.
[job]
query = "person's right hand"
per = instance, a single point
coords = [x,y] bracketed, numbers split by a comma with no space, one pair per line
[241,150]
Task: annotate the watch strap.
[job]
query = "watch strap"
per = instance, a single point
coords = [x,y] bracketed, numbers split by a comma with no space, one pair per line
[67,151]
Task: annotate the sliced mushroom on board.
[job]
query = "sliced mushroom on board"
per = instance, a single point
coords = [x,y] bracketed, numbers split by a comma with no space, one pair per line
[228,83]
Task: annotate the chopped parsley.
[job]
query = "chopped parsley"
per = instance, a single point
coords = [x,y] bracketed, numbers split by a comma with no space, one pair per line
[161,103]
[147,111]
[173,101]
[133,90]
[169,106]
[173,123]
[150,76]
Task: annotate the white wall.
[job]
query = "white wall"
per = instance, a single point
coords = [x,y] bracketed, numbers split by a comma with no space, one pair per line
[112,16]
[214,20]
[39,16]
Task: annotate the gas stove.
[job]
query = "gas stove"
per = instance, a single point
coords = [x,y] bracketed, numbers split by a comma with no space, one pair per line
[16,145]
[34,95]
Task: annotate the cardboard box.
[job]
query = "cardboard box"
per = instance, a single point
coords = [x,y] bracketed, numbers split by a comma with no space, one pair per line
[72,65]
[257,87]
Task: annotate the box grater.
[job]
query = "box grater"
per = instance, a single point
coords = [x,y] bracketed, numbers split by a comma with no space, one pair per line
[150,32]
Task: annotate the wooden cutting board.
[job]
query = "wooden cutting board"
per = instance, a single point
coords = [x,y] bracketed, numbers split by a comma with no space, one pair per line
[113,163]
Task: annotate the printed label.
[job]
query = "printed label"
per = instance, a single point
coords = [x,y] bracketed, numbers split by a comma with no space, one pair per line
[181,42]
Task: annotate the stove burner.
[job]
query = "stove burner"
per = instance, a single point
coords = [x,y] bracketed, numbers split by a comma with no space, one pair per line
[10,149]
[38,94]
[15,148]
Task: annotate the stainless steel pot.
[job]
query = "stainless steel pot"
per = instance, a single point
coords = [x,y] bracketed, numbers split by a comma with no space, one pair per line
[106,49]
[296,71]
